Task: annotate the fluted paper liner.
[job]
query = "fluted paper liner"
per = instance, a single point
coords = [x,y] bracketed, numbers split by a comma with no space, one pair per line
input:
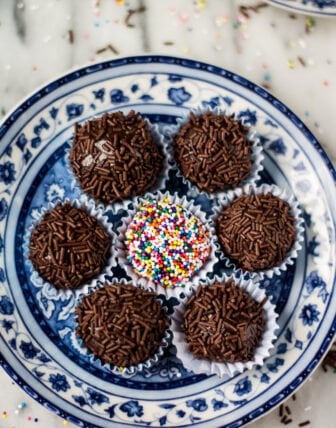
[225,200]
[222,369]
[194,209]
[89,205]
[130,371]
[257,156]
[160,182]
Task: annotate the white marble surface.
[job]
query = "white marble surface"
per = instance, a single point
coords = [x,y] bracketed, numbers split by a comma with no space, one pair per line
[293,56]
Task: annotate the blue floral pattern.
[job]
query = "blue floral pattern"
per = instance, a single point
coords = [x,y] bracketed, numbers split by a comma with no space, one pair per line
[132,408]
[3,208]
[249,117]
[309,314]
[55,310]
[6,306]
[59,382]
[28,349]
[178,96]
[278,146]
[74,110]
[244,386]
[7,172]
[117,96]
[199,404]
[96,397]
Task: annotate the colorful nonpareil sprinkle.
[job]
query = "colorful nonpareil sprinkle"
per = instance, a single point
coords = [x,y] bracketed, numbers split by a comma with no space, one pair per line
[166,243]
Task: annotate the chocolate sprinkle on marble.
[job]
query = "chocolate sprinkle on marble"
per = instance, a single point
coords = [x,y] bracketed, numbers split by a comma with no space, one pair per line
[69,247]
[223,323]
[114,157]
[256,231]
[121,324]
[213,151]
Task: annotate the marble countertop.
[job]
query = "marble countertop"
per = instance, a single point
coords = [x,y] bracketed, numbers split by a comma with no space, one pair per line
[293,56]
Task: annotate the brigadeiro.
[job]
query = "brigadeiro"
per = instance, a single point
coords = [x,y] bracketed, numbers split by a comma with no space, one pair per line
[68,246]
[213,151]
[257,231]
[166,243]
[121,324]
[115,157]
[223,323]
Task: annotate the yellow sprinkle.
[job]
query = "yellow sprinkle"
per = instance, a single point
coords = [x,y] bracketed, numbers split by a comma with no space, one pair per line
[185,50]
[291,64]
[310,22]
[201,4]
[292,44]
[120,2]
[65,423]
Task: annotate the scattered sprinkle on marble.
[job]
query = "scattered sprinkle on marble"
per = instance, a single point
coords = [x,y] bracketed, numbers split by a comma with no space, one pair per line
[130,14]
[108,47]
[309,25]
[291,64]
[302,61]
[71,37]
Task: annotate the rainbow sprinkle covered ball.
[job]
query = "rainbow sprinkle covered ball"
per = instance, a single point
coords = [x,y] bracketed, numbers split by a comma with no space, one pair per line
[166,243]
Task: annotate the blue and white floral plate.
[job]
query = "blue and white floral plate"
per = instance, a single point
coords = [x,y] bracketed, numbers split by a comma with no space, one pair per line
[36,323]
[321,8]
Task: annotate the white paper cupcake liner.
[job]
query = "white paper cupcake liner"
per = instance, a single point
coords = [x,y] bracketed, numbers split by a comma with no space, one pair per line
[159,183]
[130,371]
[187,204]
[46,287]
[256,155]
[222,369]
[225,201]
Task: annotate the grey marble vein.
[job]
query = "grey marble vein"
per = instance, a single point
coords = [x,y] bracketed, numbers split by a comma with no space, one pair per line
[19,18]
[144,27]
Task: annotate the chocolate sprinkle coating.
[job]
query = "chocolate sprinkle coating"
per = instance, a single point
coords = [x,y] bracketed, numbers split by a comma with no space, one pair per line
[114,157]
[213,151]
[69,247]
[223,323]
[257,231]
[121,324]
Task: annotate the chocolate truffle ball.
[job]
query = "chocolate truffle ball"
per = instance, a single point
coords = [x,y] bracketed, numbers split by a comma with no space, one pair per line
[121,324]
[114,157]
[213,151]
[68,247]
[223,323]
[257,231]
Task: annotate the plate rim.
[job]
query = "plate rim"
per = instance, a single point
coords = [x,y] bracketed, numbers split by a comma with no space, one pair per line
[77,73]
[302,10]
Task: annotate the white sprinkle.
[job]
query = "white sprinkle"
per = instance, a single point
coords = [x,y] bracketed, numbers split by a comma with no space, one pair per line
[105,153]
[307,409]
[87,161]
[302,43]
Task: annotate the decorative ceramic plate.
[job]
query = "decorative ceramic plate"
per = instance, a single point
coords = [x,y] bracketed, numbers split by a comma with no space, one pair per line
[37,322]
[322,8]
